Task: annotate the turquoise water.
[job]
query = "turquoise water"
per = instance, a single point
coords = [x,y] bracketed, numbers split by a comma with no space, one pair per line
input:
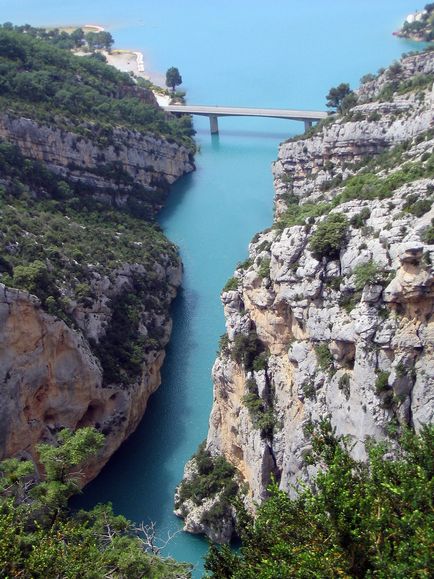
[280,53]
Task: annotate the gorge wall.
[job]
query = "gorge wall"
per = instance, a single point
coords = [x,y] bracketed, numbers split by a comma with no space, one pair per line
[86,276]
[331,316]
[52,378]
[149,160]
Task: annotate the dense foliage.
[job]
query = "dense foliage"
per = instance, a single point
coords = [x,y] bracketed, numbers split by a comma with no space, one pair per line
[370,519]
[327,240]
[56,240]
[341,98]
[48,83]
[213,476]
[41,537]
[422,29]
[261,409]
[173,78]
[77,38]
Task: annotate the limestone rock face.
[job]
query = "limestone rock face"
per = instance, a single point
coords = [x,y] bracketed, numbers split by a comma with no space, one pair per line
[51,379]
[193,514]
[54,375]
[152,162]
[349,335]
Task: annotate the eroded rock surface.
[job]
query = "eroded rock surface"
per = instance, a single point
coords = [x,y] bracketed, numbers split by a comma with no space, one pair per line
[151,161]
[55,374]
[51,379]
[345,333]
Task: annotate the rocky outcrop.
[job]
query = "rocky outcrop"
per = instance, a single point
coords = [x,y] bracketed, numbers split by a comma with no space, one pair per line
[219,529]
[332,315]
[51,378]
[86,160]
[150,161]
[418,26]
[310,167]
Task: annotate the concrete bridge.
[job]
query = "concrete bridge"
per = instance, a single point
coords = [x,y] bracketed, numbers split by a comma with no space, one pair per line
[308,117]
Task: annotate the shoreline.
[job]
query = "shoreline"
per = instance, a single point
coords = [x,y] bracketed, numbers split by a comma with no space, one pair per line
[133,61]
[411,18]
[129,61]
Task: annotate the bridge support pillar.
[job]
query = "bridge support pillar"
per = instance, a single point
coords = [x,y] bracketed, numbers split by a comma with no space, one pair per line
[308,124]
[214,124]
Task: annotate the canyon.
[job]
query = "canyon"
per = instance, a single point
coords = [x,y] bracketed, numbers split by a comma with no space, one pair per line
[331,316]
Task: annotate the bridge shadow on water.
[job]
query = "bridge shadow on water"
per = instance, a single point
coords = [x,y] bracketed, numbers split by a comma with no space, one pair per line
[142,463]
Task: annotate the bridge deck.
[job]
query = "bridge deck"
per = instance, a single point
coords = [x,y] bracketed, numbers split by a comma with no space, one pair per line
[246,112]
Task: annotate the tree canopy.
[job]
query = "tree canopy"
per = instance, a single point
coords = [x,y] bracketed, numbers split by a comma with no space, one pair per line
[41,537]
[173,78]
[358,519]
[42,80]
[336,96]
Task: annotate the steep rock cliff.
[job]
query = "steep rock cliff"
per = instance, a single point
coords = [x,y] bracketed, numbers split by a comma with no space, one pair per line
[86,275]
[151,161]
[332,314]
[51,379]
[88,352]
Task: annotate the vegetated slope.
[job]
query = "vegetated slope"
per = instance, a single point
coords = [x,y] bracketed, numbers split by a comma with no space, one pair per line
[41,537]
[359,519]
[332,313]
[420,26]
[86,276]
[44,81]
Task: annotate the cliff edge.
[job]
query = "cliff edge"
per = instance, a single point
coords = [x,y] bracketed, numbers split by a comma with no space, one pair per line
[86,275]
[331,316]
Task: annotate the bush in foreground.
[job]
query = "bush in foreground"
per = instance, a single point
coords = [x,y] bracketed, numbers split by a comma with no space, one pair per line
[40,537]
[359,519]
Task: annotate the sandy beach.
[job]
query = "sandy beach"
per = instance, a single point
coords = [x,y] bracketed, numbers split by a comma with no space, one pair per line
[134,61]
[125,60]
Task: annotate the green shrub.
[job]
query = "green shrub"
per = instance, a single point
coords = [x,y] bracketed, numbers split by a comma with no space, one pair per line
[245,264]
[331,184]
[367,273]
[324,357]
[260,362]
[246,348]
[231,284]
[264,268]
[298,214]
[374,117]
[428,234]
[327,240]
[367,78]
[359,220]
[335,282]
[394,70]
[344,385]
[309,390]
[417,207]
[223,344]
[364,186]
[382,382]
[392,429]
[254,404]
[261,413]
